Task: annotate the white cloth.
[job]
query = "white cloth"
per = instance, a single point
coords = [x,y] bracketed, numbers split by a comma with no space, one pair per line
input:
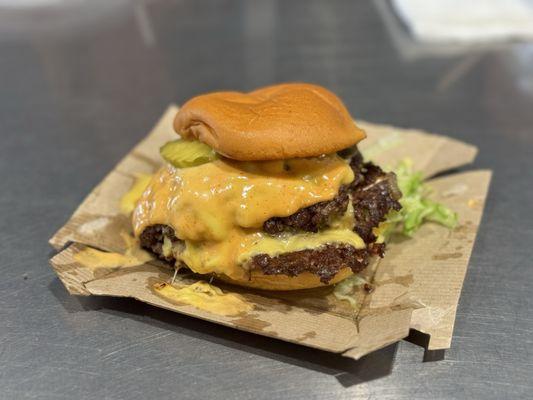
[467,20]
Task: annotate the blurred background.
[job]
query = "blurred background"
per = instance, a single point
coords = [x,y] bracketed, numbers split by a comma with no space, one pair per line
[82,81]
[94,61]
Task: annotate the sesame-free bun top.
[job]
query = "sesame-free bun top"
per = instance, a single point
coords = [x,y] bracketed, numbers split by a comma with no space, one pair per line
[283,121]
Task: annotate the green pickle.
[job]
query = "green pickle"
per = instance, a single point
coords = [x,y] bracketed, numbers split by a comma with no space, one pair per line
[187,153]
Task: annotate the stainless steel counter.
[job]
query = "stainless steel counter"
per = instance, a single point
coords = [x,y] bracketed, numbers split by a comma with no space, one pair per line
[81,83]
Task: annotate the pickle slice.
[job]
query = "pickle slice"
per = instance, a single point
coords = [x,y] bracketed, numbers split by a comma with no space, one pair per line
[187,153]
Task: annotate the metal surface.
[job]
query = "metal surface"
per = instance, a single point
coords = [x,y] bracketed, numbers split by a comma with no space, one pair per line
[81,83]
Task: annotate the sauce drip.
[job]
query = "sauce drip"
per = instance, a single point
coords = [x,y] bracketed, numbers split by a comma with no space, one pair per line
[204,296]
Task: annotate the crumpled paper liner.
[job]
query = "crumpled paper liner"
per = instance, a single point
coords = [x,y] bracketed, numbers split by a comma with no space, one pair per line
[417,284]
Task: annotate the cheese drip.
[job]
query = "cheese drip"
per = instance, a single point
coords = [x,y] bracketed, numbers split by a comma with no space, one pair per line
[218,208]
[204,296]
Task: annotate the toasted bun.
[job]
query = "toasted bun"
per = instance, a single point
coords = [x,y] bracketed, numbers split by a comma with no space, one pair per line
[272,123]
[305,280]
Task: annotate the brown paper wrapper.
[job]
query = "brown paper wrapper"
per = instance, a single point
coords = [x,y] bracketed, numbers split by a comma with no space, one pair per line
[416,286]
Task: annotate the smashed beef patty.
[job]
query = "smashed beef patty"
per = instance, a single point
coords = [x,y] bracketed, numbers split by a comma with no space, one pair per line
[325,261]
[373,197]
[373,194]
[153,237]
[312,218]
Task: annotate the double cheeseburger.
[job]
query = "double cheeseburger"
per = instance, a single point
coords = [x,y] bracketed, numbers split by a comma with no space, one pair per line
[266,189]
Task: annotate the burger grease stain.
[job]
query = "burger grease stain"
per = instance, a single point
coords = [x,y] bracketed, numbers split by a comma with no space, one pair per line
[273,334]
[266,303]
[462,232]
[447,256]
[306,336]
[93,226]
[444,244]
[252,322]
[364,310]
[259,308]
[314,301]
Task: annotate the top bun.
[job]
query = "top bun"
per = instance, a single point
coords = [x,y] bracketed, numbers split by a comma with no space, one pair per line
[272,123]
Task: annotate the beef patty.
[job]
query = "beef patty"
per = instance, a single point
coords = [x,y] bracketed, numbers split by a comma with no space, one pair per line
[312,218]
[324,261]
[373,194]
[153,237]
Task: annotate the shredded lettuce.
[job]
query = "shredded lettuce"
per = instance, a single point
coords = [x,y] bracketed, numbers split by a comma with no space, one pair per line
[416,206]
[416,209]
[344,290]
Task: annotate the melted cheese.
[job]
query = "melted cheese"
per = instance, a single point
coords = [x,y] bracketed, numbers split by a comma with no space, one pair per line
[218,208]
[274,246]
[129,200]
[204,296]
[208,201]
[96,259]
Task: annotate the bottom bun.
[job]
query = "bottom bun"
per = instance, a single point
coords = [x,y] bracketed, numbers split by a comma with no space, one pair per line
[305,280]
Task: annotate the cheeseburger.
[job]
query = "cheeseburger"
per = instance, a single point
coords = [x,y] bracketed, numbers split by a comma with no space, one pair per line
[266,189]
